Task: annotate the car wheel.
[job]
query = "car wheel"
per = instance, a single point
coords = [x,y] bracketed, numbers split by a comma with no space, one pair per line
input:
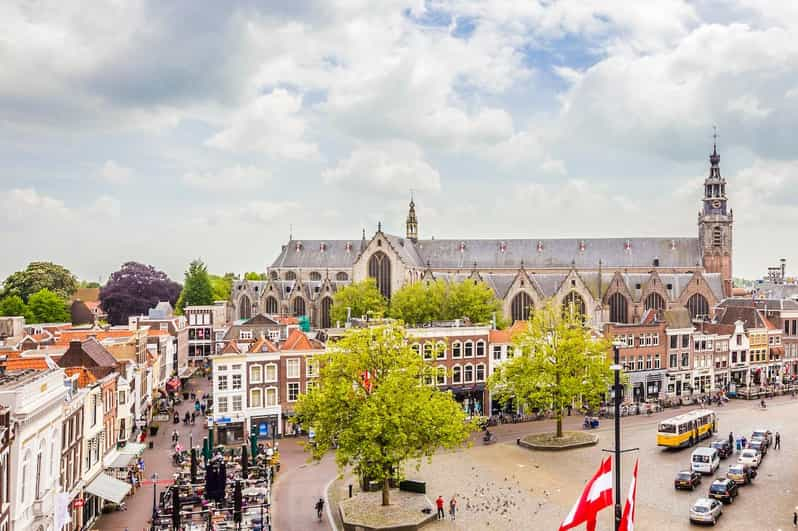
[731,500]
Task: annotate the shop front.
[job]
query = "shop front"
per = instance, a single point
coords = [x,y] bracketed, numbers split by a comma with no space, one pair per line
[99,490]
[471,397]
[229,432]
[646,385]
[267,427]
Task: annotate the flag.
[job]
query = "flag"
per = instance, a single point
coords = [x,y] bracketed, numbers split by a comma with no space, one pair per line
[628,517]
[367,381]
[596,496]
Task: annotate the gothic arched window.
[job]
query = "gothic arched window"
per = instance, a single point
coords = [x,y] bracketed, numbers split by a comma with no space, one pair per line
[574,302]
[380,270]
[326,306]
[244,307]
[299,306]
[717,237]
[290,275]
[619,306]
[654,301]
[698,306]
[521,307]
[341,276]
[315,275]
[271,305]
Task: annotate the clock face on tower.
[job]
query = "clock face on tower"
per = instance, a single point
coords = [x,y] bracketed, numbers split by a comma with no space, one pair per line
[716,203]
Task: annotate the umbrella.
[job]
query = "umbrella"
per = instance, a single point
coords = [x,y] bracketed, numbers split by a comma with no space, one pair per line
[206,450]
[244,462]
[237,503]
[193,466]
[255,491]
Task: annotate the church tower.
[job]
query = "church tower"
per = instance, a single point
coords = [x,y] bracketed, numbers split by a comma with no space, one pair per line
[412,222]
[715,225]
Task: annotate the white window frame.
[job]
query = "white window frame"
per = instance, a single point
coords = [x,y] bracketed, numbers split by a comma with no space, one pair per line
[221,404]
[467,344]
[245,335]
[291,364]
[266,368]
[480,343]
[311,367]
[288,388]
[236,378]
[476,372]
[427,350]
[457,350]
[257,391]
[252,370]
[440,350]
[457,374]
[465,377]
[497,352]
[237,400]
[269,391]
[440,376]
[219,380]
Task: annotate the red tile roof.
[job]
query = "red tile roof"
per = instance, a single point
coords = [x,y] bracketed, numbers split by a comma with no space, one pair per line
[297,340]
[500,336]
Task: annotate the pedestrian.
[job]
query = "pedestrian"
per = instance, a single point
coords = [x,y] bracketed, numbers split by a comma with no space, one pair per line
[795,517]
[452,507]
[197,405]
[439,504]
[778,442]
[202,408]
[193,416]
[731,440]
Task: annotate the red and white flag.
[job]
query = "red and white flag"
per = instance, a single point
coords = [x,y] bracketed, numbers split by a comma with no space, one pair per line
[596,496]
[628,517]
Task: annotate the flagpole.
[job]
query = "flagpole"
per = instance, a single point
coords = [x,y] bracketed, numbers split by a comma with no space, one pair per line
[616,367]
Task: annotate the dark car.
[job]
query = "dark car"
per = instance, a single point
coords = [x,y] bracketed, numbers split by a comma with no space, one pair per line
[764,434]
[686,479]
[724,489]
[723,447]
[760,445]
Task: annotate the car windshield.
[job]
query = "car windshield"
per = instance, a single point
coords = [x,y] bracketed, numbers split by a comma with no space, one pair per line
[700,459]
[718,487]
[667,428]
[683,475]
[735,470]
[749,454]
[759,433]
[700,508]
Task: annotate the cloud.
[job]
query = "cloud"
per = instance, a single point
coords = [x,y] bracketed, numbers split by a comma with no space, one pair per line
[385,168]
[23,206]
[250,213]
[232,178]
[114,173]
[270,124]
[106,208]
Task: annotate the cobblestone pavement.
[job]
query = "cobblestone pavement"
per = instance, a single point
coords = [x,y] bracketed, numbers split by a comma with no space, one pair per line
[505,487]
[299,485]
[159,459]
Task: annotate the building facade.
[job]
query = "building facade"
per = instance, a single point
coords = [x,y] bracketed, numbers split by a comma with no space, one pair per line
[204,324]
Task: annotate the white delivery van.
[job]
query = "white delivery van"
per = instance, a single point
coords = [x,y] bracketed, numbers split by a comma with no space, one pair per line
[705,460]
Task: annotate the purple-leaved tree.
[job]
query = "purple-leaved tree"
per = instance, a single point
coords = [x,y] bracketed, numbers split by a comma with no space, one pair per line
[134,289]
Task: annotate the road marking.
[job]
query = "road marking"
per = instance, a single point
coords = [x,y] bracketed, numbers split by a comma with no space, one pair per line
[327,503]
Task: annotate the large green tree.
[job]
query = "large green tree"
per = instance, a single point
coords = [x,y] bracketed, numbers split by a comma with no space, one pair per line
[222,286]
[363,298]
[251,275]
[371,399]
[197,289]
[46,306]
[13,305]
[38,276]
[421,302]
[560,363]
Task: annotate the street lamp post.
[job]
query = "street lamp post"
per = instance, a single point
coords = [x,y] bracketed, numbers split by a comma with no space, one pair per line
[154,502]
[616,368]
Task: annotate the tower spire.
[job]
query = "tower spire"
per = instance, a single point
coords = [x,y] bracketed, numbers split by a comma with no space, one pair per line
[412,222]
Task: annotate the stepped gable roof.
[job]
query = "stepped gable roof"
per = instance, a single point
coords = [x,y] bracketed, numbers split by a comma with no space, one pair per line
[561,252]
[310,254]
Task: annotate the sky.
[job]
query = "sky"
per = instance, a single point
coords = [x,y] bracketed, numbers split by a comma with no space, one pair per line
[166,131]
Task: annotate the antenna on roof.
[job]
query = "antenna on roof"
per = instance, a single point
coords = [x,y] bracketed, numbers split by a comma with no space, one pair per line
[290,231]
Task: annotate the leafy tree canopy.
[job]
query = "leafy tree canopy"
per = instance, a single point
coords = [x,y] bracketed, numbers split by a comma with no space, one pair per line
[197,290]
[421,302]
[13,305]
[134,289]
[362,297]
[372,400]
[559,363]
[251,275]
[38,276]
[88,284]
[46,306]
[222,286]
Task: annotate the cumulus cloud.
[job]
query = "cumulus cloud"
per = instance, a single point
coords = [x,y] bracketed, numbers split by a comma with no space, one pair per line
[114,173]
[271,124]
[250,213]
[386,168]
[233,178]
[27,205]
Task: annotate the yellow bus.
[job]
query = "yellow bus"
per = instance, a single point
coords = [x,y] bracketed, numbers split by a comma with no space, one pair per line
[687,429]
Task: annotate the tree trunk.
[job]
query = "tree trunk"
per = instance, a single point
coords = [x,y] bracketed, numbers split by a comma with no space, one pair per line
[386,493]
[559,423]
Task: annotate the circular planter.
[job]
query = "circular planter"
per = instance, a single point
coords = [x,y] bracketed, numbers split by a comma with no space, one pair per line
[549,443]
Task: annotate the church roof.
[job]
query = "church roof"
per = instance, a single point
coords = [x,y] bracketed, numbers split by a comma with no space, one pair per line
[561,252]
[318,254]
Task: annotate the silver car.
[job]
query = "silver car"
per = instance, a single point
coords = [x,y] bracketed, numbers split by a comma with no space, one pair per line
[706,511]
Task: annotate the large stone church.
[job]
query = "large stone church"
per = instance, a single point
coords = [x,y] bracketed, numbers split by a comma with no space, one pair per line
[608,279]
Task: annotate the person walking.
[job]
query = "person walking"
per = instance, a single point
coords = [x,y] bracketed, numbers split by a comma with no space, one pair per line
[731,440]
[777,446]
[452,507]
[795,517]
[439,504]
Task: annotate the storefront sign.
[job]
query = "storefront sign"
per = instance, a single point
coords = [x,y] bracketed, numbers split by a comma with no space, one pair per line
[223,420]
[79,502]
[263,429]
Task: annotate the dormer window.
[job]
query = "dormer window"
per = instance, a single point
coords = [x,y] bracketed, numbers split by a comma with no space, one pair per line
[322,247]
[502,247]
[627,246]
[582,246]
[462,247]
[298,247]
[540,246]
[348,247]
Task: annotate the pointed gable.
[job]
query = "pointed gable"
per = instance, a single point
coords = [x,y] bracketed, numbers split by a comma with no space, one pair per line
[297,340]
[260,319]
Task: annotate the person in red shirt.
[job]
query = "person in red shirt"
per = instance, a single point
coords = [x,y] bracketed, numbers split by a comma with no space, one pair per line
[439,502]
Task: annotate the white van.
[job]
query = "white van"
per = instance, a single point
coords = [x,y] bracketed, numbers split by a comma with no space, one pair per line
[705,460]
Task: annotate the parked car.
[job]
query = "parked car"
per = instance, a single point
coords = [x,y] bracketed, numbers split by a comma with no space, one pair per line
[723,447]
[751,457]
[706,511]
[686,479]
[741,474]
[705,460]
[760,445]
[764,434]
[723,489]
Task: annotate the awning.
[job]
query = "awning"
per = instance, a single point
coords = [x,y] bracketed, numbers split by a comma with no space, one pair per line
[132,448]
[121,461]
[108,488]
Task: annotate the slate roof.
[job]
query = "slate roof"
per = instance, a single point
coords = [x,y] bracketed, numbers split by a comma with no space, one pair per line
[750,316]
[561,252]
[311,256]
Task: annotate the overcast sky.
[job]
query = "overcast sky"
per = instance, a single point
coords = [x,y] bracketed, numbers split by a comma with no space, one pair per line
[163,131]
